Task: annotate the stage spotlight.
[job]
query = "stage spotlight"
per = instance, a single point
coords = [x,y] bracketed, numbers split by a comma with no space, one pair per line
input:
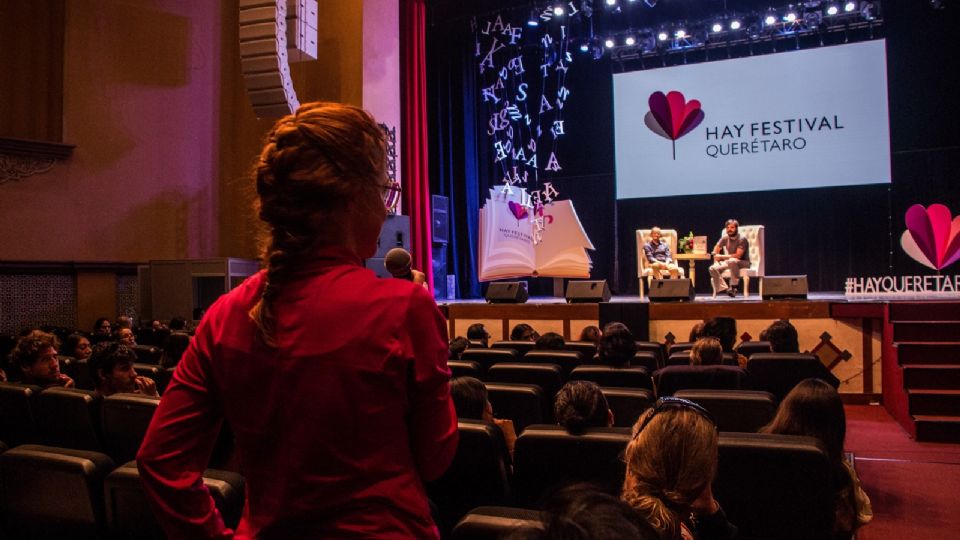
[662,36]
[630,41]
[584,47]
[680,34]
[734,24]
[868,11]
[608,43]
[790,17]
[534,19]
[717,27]
[558,11]
[611,2]
[849,6]
[770,20]
[832,9]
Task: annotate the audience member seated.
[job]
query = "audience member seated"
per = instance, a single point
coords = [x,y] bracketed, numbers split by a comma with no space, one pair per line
[476,332]
[123,321]
[583,512]
[590,334]
[471,402]
[102,331]
[35,354]
[178,324]
[125,336]
[551,341]
[111,368]
[457,346]
[77,346]
[706,352]
[524,332]
[696,332]
[782,337]
[724,329]
[671,463]
[814,408]
[173,348]
[617,345]
[580,405]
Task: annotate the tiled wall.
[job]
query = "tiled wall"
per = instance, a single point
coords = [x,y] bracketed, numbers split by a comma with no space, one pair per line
[128,296]
[33,300]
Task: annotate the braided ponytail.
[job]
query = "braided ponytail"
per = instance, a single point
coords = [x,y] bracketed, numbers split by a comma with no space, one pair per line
[315,164]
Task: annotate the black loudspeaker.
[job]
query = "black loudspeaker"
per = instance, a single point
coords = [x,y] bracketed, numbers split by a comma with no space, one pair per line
[783,287]
[439,208]
[587,291]
[439,259]
[507,292]
[671,290]
[394,233]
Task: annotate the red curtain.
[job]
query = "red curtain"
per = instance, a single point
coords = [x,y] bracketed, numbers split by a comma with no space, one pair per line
[413,133]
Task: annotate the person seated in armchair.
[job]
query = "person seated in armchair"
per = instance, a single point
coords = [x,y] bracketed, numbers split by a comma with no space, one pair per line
[732,252]
[658,256]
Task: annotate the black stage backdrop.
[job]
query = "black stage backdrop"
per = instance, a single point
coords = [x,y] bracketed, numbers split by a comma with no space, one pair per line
[826,233]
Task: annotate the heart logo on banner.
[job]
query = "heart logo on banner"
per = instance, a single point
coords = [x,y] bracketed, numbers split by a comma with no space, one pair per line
[932,237]
[671,116]
[519,211]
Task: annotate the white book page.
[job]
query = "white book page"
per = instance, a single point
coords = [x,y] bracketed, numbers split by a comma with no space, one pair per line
[561,253]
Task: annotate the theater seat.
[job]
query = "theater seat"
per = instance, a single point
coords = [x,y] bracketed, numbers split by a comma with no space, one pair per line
[479,474]
[522,347]
[489,357]
[680,347]
[70,418]
[567,360]
[735,410]
[522,403]
[778,373]
[125,418]
[549,377]
[631,377]
[464,368]
[48,492]
[160,375]
[586,348]
[488,522]
[627,404]
[83,380]
[670,379]
[128,514]
[147,354]
[546,457]
[18,423]
[747,348]
[775,486]
[682,358]
[645,359]
[655,348]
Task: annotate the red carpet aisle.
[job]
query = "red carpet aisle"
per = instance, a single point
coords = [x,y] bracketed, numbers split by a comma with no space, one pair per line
[913,486]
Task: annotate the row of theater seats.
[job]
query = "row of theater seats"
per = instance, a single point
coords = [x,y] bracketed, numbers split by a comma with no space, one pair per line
[659,352]
[771,486]
[83,379]
[51,492]
[84,420]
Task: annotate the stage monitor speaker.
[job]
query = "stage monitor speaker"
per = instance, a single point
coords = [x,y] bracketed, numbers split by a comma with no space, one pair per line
[507,292]
[671,290]
[783,287]
[394,233]
[588,291]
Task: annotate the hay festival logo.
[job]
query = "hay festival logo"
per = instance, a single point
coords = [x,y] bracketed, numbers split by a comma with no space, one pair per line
[932,239]
[671,116]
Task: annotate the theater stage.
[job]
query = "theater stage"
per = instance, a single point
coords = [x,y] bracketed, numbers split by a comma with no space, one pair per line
[845,335]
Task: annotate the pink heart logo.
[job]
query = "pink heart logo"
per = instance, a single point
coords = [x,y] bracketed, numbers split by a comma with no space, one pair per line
[519,211]
[932,237]
[671,116]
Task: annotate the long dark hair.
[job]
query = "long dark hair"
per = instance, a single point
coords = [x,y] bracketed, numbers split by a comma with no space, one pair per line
[813,408]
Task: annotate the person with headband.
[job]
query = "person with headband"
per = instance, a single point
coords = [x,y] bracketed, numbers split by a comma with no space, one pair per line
[334,382]
[400,265]
[671,461]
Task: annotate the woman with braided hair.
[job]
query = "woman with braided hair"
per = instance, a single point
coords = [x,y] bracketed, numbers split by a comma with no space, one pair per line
[671,462]
[335,383]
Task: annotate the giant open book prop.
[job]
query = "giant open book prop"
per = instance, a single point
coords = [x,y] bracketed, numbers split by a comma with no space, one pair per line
[515,243]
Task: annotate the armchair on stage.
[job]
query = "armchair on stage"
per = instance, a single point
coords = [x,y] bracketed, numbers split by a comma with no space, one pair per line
[754,236]
[643,270]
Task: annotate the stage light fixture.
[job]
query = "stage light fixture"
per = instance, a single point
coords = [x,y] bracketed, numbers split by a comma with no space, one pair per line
[832,9]
[717,27]
[534,19]
[770,20]
[849,6]
[584,47]
[609,43]
[558,11]
[662,36]
[611,2]
[680,34]
[630,41]
[734,24]
[868,10]
[790,17]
